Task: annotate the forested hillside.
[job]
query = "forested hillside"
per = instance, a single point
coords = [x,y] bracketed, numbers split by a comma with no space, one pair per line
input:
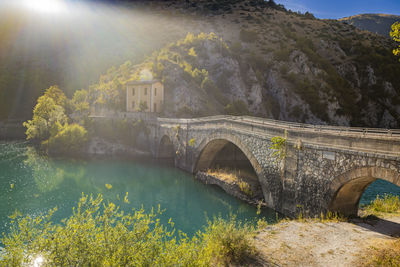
[376,23]
[241,57]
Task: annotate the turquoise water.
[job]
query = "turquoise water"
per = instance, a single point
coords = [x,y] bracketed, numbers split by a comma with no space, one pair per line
[40,183]
[33,184]
[379,187]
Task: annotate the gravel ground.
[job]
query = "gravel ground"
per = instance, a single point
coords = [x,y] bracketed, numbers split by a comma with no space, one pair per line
[311,243]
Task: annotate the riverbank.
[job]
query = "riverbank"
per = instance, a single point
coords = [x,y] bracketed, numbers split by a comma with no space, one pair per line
[319,243]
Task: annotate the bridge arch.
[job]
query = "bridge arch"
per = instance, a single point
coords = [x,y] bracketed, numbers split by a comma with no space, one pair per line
[209,148]
[165,148]
[346,189]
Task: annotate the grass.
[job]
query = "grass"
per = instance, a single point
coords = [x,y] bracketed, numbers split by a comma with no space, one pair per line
[388,204]
[231,175]
[386,254]
[327,217]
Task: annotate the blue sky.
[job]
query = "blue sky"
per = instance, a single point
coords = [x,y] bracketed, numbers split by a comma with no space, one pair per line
[334,9]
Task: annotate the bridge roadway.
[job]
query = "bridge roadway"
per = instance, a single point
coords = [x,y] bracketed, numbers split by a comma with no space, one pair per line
[325,167]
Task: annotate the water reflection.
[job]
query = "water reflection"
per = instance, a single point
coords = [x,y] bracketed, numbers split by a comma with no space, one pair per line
[47,177]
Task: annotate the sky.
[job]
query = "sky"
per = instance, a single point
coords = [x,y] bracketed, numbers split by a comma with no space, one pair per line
[334,9]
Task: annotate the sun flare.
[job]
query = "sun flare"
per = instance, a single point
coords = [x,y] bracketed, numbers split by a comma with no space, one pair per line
[46,6]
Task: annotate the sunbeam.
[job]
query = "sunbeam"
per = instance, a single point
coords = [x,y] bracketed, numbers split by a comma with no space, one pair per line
[46,6]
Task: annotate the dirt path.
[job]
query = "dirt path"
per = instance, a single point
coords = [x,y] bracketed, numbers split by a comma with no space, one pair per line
[296,243]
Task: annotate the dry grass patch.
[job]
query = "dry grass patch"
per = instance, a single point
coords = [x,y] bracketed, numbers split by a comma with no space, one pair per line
[385,253]
[229,175]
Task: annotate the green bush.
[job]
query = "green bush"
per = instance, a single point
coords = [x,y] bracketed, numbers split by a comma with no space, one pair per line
[387,204]
[282,55]
[236,108]
[98,234]
[229,241]
[69,139]
[248,36]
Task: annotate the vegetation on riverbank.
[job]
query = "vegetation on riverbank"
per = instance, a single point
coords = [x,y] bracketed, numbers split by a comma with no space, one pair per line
[389,204]
[100,234]
[387,254]
[51,125]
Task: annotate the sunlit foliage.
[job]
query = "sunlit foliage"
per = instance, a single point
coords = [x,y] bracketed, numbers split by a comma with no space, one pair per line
[68,139]
[46,116]
[387,204]
[100,234]
[49,125]
[395,34]
[278,145]
[80,101]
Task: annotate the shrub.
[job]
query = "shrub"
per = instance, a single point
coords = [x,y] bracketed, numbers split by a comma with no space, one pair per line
[229,241]
[248,36]
[99,234]
[185,112]
[69,139]
[245,188]
[236,48]
[278,144]
[282,55]
[387,204]
[236,108]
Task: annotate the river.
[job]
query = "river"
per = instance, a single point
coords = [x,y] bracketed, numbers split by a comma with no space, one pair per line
[32,184]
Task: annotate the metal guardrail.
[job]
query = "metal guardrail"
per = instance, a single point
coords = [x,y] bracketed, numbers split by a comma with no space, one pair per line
[265,123]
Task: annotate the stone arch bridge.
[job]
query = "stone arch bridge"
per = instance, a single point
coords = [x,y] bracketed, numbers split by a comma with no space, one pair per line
[325,167]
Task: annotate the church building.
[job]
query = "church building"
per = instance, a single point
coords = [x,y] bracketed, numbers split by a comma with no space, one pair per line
[146,96]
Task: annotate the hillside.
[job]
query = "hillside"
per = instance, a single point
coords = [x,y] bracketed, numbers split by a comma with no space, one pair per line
[260,60]
[376,23]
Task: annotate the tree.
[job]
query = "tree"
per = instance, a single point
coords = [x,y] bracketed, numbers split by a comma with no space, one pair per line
[395,34]
[46,115]
[80,101]
[143,106]
[57,95]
